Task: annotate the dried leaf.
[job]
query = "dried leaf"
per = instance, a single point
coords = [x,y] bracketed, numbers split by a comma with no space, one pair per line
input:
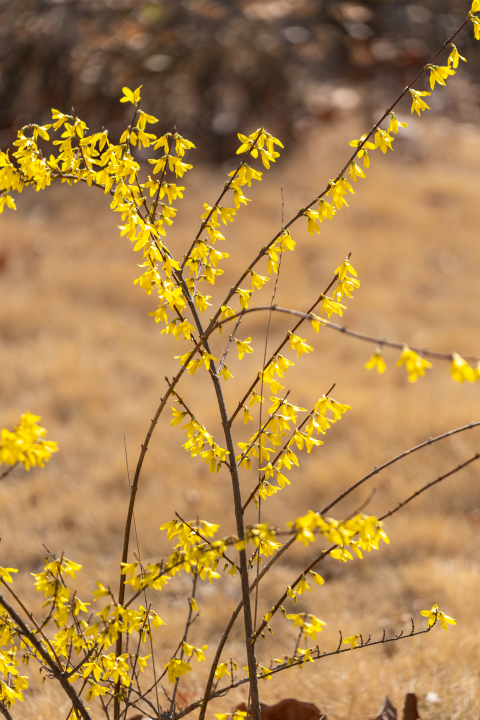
[410,708]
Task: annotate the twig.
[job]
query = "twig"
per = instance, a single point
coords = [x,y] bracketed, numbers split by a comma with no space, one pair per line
[224,191]
[252,494]
[301,661]
[429,485]
[205,539]
[261,430]
[378,469]
[8,470]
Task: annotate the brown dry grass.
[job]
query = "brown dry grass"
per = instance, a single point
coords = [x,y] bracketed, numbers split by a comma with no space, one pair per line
[79,348]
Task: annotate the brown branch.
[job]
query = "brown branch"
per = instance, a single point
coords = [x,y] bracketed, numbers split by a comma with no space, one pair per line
[56,671]
[378,469]
[429,485]
[319,656]
[10,469]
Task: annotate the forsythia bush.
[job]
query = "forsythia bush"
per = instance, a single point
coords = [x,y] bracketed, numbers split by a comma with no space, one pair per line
[84,651]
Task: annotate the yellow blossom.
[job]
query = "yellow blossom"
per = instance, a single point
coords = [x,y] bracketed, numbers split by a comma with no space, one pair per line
[417,103]
[352,640]
[414,363]
[377,361]
[461,370]
[436,614]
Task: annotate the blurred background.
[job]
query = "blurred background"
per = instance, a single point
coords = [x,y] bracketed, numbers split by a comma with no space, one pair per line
[78,346]
[213,67]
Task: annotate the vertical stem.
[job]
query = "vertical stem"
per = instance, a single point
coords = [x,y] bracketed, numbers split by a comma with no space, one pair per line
[185,636]
[237,500]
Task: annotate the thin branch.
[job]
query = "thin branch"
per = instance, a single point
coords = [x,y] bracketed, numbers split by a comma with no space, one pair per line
[254,491]
[5,712]
[8,470]
[205,539]
[378,469]
[261,430]
[396,345]
[224,191]
[301,661]
[429,485]
[230,340]
[185,636]
[271,308]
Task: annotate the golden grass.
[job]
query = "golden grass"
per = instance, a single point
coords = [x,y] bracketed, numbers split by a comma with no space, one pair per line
[79,348]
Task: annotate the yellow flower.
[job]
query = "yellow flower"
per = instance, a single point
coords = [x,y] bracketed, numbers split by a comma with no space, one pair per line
[395,125]
[417,103]
[356,171]
[131,96]
[455,56]
[383,140]
[377,361]
[461,370]
[302,586]
[352,640]
[317,578]
[414,363]
[436,614]
[439,74]
[364,150]
[225,373]
[5,574]
[176,668]
[243,346]
[221,670]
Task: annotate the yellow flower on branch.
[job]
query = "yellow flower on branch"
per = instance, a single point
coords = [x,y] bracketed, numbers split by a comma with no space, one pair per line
[476,26]
[414,363]
[352,640]
[383,140]
[435,614]
[363,152]
[313,219]
[356,171]
[302,586]
[439,74]
[176,668]
[455,56]
[395,124]
[461,370]
[131,96]
[5,574]
[417,103]
[377,361]
[299,344]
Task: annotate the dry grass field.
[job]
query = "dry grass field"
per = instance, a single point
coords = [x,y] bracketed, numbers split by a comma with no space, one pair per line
[78,348]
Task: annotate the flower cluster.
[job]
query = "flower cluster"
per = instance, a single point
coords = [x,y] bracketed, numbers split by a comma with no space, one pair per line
[25,444]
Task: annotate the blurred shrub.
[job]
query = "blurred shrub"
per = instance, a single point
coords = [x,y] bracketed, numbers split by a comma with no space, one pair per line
[215,67]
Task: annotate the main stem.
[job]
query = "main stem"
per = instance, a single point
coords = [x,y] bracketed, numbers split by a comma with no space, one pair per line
[237,501]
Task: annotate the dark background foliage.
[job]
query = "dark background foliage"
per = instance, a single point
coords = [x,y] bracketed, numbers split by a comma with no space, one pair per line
[216,68]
